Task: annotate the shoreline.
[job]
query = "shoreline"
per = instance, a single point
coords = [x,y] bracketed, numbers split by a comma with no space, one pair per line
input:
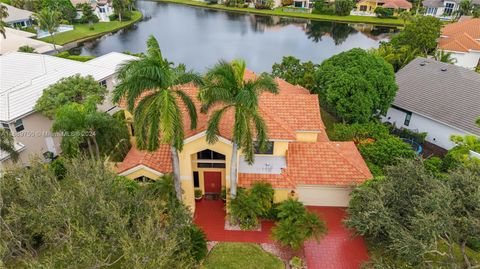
[73,42]
[278,12]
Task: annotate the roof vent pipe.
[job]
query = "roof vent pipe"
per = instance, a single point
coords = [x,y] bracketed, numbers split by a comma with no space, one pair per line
[444,69]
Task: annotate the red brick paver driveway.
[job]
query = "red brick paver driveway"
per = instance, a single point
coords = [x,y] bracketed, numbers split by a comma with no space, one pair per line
[337,250]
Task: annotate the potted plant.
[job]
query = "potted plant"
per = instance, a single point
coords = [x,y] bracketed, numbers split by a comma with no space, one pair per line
[223,195]
[198,194]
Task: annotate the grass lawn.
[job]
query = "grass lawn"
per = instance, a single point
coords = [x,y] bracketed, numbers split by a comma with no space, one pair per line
[82,31]
[280,12]
[240,256]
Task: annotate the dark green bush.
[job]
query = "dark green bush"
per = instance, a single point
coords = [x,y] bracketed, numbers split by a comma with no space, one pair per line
[433,164]
[343,7]
[320,7]
[384,12]
[386,151]
[263,193]
[245,210]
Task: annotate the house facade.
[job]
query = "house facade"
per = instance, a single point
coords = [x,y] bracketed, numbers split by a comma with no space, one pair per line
[367,7]
[300,161]
[437,98]
[18,18]
[101,8]
[24,77]
[462,39]
[443,9]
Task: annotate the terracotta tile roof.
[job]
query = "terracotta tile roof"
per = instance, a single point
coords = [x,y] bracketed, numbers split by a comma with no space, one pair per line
[276,180]
[397,4]
[461,36]
[160,160]
[326,163]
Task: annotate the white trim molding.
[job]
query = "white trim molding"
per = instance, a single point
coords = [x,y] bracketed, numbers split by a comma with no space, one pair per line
[139,167]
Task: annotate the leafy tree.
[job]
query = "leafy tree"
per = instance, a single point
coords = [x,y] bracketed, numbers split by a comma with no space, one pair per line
[465,8]
[356,85]
[445,57]
[7,144]
[343,7]
[48,20]
[382,12]
[405,16]
[3,15]
[386,151]
[225,86]
[157,116]
[87,14]
[360,132]
[26,48]
[296,225]
[65,8]
[120,7]
[112,220]
[295,72]
[82,124]
[460,154]
[421,34]
[76,89]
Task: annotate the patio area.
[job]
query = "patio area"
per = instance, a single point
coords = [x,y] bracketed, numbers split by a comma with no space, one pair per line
[337,250]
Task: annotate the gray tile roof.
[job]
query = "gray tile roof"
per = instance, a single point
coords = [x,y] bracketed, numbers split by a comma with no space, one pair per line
[432,3]
[443,92]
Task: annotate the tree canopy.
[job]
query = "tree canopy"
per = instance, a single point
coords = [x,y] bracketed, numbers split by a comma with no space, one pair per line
[411,214]
[421,34]
[91,218]
[76,89]
[295,72]
[356,85]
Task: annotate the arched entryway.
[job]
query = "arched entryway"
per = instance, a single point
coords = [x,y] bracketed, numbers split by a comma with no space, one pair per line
[208,169]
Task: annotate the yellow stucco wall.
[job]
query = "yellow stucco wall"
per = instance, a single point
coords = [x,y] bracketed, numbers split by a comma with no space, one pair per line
[307,136]
[281,195]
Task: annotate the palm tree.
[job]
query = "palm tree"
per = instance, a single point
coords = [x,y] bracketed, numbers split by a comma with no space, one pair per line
[225,86]
[445,57]
[405,16]
[7,144]
[152,81]
[48,20]
[3,15]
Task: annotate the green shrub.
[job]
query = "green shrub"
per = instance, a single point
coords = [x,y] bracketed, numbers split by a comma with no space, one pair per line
[386,151]
[433,164]
[474,243]
[263,192]
[320,7]
[198,242]
[384,12]
[343,7]
[198,193]
[358,131]
[297,263]
[58,168]
[296,224]
[245,210]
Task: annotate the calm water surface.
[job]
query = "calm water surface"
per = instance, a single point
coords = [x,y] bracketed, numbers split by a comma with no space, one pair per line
[199,37]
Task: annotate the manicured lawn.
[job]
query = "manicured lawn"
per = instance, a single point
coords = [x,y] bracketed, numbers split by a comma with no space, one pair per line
[241,256]
[280,12]
[82,31]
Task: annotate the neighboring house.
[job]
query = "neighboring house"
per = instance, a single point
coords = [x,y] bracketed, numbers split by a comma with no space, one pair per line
[24,76]
[462,39]
[443,9]
[367,7]
[301,161]
[102,8]
[437,98]
[16,39]
[18,18]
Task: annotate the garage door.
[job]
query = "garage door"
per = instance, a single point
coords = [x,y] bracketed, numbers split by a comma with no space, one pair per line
[323,196]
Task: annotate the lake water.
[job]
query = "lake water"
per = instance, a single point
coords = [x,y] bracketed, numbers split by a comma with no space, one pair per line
[199,37]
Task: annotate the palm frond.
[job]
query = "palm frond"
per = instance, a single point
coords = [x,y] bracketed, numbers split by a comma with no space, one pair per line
[192,110]
[213,123]
[153,48]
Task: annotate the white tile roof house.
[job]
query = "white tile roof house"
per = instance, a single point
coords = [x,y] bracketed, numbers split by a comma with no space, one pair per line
[24,76]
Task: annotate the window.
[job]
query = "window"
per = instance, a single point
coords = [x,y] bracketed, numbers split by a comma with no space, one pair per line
[210,155]
[196,180]
[144,179]
[103,83]
[102,9]
[431,10]
[363,8]
[448,9]
[408,116]
[19,126]
[6,127]
[269,150]
[211,165]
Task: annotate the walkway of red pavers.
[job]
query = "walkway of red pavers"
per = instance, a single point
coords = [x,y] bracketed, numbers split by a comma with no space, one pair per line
[337,250]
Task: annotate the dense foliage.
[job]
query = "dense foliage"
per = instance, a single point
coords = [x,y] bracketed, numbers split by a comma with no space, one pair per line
[383,12]
[296,224]
[460,154]
[93,219]
[356,85]
[421,34]
[75,89]
[87,14]
[343,7]
[250,205]
[295,72]
[7,144]
[64,7]
[411,214]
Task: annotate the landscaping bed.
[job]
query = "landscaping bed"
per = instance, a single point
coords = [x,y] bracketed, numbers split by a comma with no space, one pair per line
[83,32]
[280,12]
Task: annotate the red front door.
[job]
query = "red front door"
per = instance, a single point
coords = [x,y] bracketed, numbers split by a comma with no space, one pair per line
[213,182]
